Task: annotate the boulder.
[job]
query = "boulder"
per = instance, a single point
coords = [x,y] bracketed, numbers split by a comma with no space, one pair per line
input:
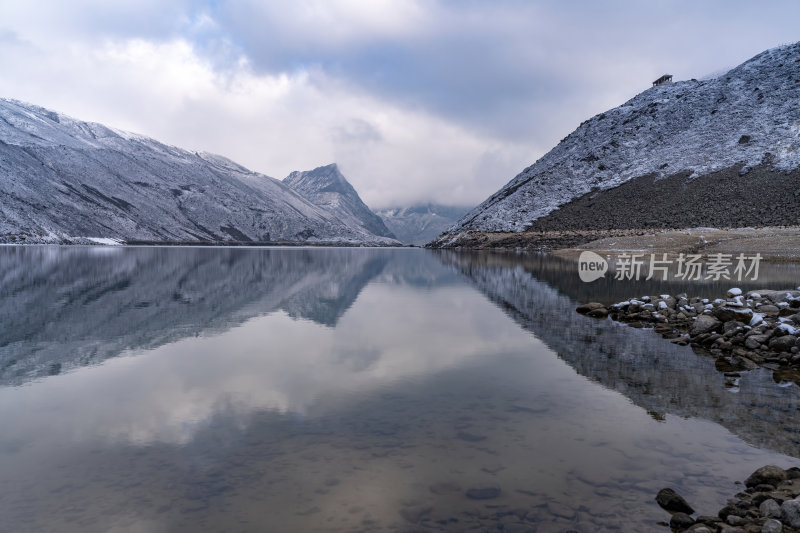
[790,513]
[780,296]
[681,521]
[669,500]
[599,312]
[591,306]
[704,324]
[770,509]
[784,343]
[769,475]
[731,313]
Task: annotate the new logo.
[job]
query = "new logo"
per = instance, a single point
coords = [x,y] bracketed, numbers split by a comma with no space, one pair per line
[591,266]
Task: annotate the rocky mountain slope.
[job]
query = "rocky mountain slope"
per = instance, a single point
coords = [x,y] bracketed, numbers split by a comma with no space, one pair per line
[421,223]
[327,188]
[664,158]
[64,180]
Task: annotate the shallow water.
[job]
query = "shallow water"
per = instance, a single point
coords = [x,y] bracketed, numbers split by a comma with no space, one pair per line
[215,389]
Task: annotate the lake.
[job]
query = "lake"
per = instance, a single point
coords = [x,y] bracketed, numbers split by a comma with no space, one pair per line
[346,390]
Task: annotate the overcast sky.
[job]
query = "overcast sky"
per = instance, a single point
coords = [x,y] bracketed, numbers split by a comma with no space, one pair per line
[416,100]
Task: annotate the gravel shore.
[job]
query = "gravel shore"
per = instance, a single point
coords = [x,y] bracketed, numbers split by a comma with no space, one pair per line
[742,331]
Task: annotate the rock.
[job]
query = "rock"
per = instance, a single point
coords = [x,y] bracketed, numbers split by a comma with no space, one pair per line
[742,362]
[518,528]
[701,528]
[790,512]
[769,310]
[704,324]
[770,509]
[784,343]
[733,292]
[731,313]
[483,493]
[600,312]
[752,342]
[770,474]
[415,514]
[559,509]
[681,521]
[470,437]
[732,326]
[591,306]
[669,500]
[779,296]
[447,487]
[772,526]
[735,520]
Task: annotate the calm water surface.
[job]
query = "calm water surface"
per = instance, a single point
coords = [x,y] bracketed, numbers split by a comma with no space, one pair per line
[238,390]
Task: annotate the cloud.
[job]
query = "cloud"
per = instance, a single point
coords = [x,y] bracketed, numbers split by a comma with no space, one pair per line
[416,100]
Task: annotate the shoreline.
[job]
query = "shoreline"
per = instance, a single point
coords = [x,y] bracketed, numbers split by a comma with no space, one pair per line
[141,242]
[769,503]
[774,243]
[743,331]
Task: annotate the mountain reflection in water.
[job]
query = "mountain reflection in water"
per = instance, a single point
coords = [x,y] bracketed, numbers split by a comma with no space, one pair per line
[206,389]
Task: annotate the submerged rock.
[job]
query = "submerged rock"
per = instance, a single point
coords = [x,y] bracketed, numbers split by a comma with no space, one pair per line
[483,493]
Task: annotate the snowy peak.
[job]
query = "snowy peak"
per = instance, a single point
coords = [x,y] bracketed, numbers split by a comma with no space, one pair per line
[420,224]
[322,179]
[65,180]
[746,119]
[327,188]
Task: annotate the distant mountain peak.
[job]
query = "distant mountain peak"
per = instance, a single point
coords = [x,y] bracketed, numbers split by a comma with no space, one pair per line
[327,188]
[419,224]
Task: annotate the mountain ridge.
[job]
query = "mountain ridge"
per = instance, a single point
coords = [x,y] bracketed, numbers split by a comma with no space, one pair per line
[68,181]
[744,120]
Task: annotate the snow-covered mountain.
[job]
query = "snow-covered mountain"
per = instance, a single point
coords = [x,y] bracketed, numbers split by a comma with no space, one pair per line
[327,188]
[64,180]
[421,223]
[722,151]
